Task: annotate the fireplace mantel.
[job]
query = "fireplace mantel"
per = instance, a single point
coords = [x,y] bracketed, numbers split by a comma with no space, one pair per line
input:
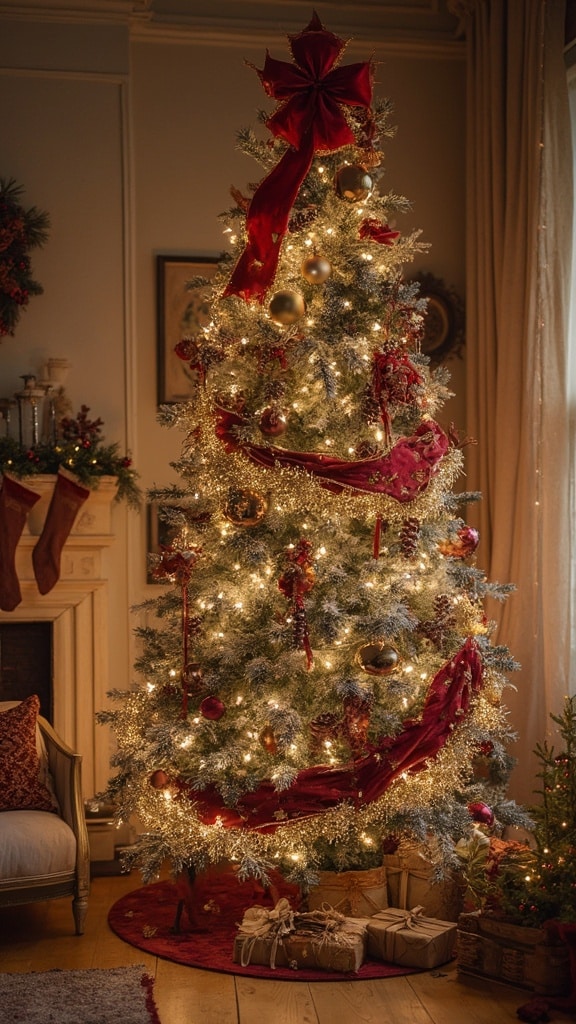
[77,606]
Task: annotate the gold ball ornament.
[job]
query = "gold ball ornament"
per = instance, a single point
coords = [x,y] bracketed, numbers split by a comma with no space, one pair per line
[353,183]
[245,508]
[286,307]
[267,739]
[377,658]
[316,269]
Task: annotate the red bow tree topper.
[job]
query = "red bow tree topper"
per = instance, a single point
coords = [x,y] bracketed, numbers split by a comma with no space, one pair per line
[311,120]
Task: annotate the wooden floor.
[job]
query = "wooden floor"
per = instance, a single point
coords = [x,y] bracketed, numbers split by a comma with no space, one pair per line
[41,937]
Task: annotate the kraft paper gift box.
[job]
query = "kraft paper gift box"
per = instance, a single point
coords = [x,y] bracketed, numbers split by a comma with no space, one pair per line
[302,951]
[411,883]
[409,939]
[353,893]
[321,940]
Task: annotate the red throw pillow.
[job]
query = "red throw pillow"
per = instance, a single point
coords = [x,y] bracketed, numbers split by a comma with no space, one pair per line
[20,785]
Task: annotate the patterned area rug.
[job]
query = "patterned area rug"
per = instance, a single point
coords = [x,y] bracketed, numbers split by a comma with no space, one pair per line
[122,995]
[146,919]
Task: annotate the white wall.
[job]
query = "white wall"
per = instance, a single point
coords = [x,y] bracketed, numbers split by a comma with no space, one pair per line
[127,140]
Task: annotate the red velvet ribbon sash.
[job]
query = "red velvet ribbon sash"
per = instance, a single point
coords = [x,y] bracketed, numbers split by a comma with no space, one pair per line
[403,473]
[310,119]
[364,780]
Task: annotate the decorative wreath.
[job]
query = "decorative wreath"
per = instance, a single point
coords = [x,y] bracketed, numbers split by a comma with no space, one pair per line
[20,231]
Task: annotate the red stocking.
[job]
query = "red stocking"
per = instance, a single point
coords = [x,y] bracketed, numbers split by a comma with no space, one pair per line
[67,499]
[16,500]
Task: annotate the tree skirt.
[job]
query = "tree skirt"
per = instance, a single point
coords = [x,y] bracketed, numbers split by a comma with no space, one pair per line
[146,919]
[122,995]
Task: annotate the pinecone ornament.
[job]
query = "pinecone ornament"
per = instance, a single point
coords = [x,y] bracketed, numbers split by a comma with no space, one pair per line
[409,536]
[444,620]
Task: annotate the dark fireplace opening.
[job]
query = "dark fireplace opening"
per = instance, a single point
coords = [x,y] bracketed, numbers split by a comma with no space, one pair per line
[26,663]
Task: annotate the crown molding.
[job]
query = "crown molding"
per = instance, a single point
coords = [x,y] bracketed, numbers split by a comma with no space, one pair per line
[419,27]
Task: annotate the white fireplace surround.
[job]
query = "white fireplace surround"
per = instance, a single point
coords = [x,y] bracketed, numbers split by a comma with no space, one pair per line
[77,607]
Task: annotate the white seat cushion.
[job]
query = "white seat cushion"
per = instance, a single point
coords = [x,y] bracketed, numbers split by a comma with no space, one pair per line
[35,843]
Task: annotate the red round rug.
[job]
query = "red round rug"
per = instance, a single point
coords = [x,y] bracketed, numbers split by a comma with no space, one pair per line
[146,919]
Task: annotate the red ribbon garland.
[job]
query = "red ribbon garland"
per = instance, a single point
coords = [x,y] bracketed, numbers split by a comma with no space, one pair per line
[395,381]
[310,120]
[296,580]
[364,780]
[403,473]
[178,564]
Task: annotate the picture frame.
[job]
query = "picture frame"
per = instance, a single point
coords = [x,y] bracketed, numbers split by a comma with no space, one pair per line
[181,313]
[160,534]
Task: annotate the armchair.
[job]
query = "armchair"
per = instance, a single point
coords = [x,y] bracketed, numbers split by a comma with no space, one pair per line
[44,851]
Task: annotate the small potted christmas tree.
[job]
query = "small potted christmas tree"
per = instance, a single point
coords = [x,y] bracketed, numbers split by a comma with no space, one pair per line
[526,893]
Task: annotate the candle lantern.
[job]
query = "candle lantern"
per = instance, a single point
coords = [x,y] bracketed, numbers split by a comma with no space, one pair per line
[6,407]
[30,406]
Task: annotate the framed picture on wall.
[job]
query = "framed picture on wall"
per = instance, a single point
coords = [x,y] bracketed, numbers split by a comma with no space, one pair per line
[183,309]
[160,534]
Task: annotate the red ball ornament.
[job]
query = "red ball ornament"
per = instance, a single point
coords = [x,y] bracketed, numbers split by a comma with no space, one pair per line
[212,708]
[462,545]
[273,422]
[481,813]
[159,779]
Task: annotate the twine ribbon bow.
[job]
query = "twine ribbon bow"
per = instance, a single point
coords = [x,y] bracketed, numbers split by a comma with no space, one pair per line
[262,923]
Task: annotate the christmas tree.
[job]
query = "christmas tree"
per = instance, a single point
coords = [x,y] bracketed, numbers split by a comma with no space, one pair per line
[536,884]
[320,677]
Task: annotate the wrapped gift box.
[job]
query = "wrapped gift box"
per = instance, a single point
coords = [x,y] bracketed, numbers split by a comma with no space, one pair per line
[318,940]
[411,883]
[301,951]
[353,893]
[532,958]
[410,939]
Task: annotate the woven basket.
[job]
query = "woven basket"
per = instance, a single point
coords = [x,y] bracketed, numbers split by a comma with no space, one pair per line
[521,956]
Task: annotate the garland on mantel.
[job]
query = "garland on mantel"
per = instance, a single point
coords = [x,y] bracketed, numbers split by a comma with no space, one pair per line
[20,231]
[81,450]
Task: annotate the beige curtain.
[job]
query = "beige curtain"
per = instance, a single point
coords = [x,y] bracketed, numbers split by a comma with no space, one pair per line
[519,211]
